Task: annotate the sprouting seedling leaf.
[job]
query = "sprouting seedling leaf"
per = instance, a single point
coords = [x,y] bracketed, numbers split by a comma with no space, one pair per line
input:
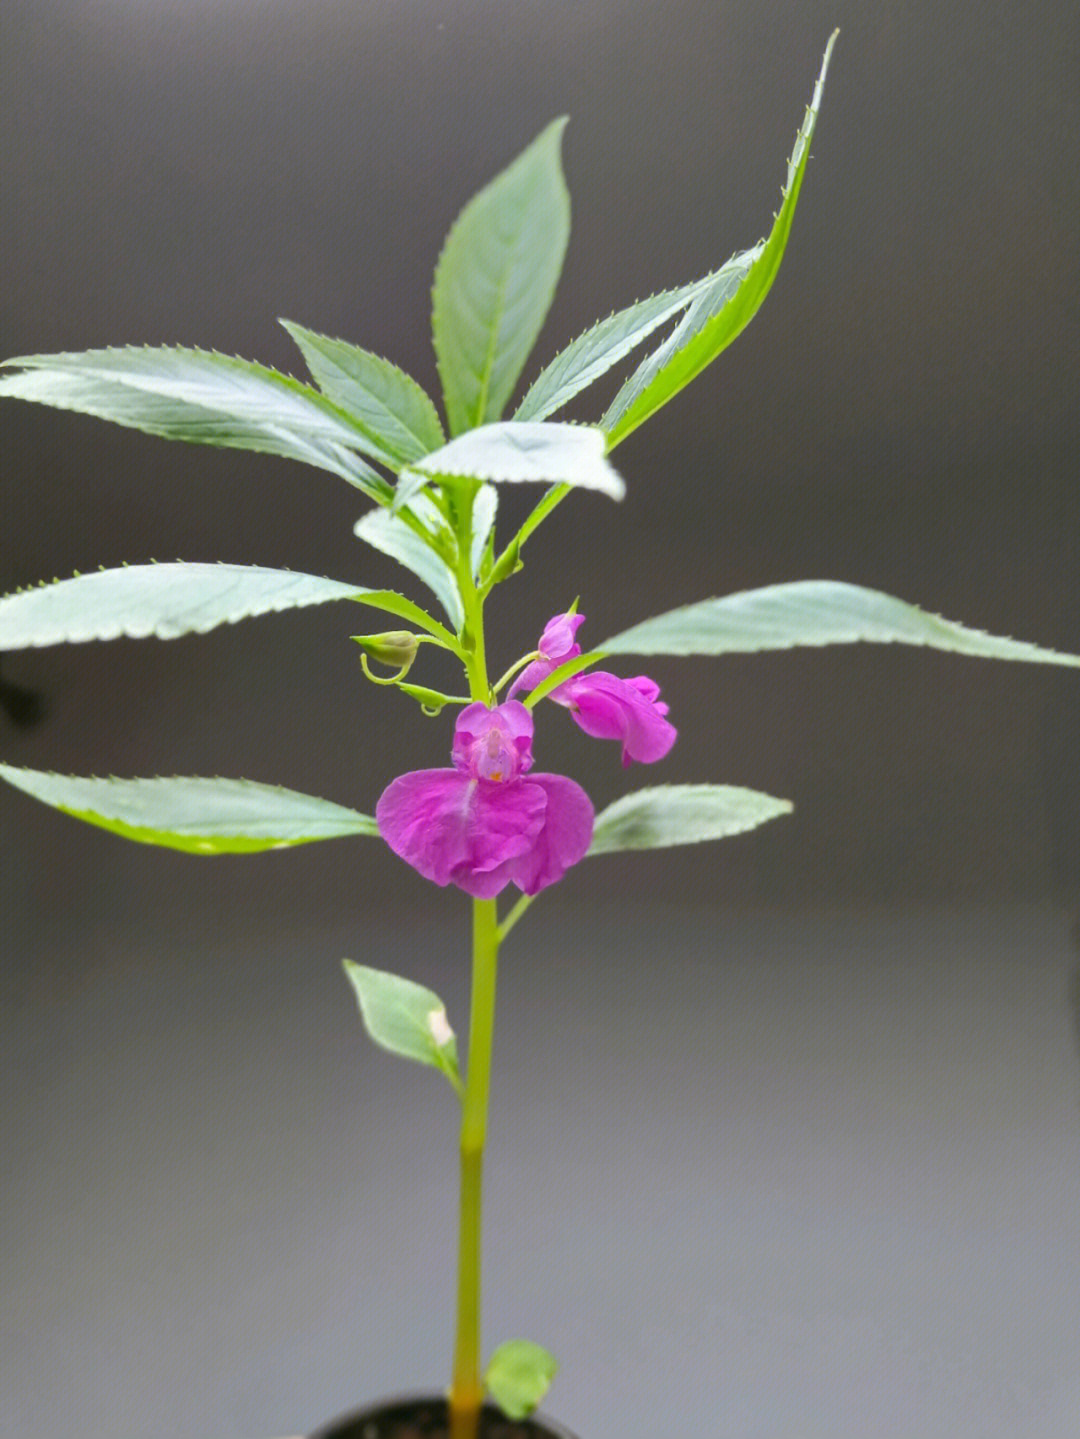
[201,397]
[723,309]
[405,1018]
[518,1376]
[495,281]
[197,815]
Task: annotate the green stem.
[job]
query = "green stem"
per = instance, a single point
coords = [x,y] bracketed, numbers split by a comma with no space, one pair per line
[467,1389]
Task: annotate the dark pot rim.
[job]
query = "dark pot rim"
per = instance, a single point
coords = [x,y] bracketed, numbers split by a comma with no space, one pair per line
[537,1426]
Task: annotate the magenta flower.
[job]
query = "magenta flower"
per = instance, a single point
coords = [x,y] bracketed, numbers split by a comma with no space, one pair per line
[608,707]
[557,644]
[602,704]
[487,822]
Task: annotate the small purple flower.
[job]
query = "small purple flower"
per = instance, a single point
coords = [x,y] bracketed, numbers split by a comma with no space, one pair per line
[556,646]
[608,707]
[602,704]
[488,822]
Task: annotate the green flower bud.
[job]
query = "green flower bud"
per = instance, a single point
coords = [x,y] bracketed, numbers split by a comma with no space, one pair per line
[507,564]
[395,648]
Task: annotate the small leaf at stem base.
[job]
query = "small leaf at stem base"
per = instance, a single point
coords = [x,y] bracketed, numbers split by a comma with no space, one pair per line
[518,1376]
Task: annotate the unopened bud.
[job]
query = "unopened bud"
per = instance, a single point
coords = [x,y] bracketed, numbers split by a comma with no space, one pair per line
[431,701]
[507,564]
[396,648]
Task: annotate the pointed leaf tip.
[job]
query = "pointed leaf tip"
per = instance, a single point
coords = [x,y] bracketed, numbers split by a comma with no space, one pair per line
[495,281]
[720,313]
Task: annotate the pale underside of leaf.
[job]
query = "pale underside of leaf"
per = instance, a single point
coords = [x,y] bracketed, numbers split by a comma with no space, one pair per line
[193,814]
[666,815]
[514,451]
[164,601]
[593,353]
[722,312]
[495,281]
[813,613]
[203,398]
[397,416]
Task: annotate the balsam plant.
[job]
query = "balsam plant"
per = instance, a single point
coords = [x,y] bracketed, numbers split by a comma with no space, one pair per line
[487,821]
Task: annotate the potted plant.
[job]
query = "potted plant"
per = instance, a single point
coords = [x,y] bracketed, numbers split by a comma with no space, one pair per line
[482,819]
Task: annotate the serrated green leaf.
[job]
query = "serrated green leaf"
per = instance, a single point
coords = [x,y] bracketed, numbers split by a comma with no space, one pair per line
[164,601]
[813,612]
[723,310]
[395,414]
[672,814]
[513,451]
[199,816]
[518,1376]
[495,281]
[203,398]
[405,1018]
[593,353]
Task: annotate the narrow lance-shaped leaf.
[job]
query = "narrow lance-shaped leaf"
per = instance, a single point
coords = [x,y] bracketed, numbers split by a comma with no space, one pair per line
[495,281]
[396,416]
[518,1376]
[203,398]
[593,353]
[673,814]
[723,309]
[164,601]
[812,612]
[405,1018]
[199,816]
[514,451]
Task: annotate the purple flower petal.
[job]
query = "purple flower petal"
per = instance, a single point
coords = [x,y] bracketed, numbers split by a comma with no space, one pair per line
[563,838]
[484,823]
[608,707]
[458,830]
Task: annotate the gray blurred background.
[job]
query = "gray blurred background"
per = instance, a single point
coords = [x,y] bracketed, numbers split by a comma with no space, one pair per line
[902,414]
